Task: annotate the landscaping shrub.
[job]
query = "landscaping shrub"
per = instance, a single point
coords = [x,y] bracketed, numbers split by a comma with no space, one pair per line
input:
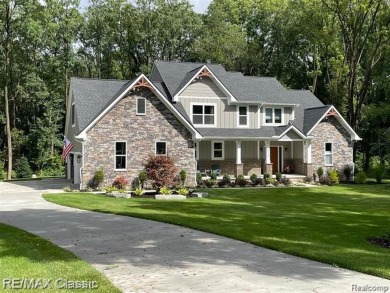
[183,177]
[207,183]
[379,171]
[267,178]
[161,170]
[254,179]
[183,191]
[98,178]
[261,182]
[213,176]
[361,177]
[286,181]
[142,177]
[138,192]
[347,171]
[325,180]
[320,172]
[165,190]
[22,168]
[225,180]
[120,182]
[2,172]
[278,176]
[333,176]
[240,180]
[52,166]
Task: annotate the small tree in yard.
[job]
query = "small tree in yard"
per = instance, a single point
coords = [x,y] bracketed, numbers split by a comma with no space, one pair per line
[22,168]
[161,170]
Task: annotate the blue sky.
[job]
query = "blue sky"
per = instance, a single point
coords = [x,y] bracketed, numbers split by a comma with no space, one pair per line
[199,5]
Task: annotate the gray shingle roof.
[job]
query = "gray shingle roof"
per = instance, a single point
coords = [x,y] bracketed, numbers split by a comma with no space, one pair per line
[312,115]
[92,96]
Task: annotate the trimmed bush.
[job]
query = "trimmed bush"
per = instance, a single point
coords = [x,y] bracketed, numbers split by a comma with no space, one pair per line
[361,177]
[278,177]
[161,170]
[198,178]
[138,192]
[347,171]
[320,172]
[22,168]
[379,171]
[267,178]
[142,177]
[183,177]
[240,180]
[225,180]
[333,176]
[254,179]
[213,176]
[183,191]
[98,178]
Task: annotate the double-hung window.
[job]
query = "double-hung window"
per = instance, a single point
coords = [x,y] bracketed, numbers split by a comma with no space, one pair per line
[120,155]
[273,115]
[242,116]
[328,154]
[161,148]
[203,115]
[217,151]
[141,106]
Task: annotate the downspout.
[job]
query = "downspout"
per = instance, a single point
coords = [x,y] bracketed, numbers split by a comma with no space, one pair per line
[82,161]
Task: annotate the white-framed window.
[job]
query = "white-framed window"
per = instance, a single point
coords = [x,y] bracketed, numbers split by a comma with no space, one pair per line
[243,116]
[218,152]
[141,106]
[273,116]
[161,148]
[328,154]
[203,114]
[73,114]
[120,155]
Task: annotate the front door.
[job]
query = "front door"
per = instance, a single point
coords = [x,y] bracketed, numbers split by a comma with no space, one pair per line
[275,159]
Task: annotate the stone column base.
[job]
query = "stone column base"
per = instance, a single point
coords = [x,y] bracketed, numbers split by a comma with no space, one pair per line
[309,169]
[268,168]
[239,169]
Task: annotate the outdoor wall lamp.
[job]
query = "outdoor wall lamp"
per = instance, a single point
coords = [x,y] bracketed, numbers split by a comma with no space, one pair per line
[79,159]
[286,149]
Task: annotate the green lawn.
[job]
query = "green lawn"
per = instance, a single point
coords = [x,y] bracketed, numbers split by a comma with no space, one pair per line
[328,224]
[24,255]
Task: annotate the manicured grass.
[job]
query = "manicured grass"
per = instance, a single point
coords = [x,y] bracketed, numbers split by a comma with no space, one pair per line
[24,255]
[328,224]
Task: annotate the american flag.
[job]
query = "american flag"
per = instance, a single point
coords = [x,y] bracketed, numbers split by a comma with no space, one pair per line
[67,148]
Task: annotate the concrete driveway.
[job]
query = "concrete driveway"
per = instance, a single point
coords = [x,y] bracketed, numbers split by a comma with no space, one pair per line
[147,256]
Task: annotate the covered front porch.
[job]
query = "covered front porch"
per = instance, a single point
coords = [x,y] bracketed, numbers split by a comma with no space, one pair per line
[247,157]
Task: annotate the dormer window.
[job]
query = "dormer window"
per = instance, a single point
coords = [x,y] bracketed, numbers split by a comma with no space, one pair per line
[242,116]
[273,116]
[203,114]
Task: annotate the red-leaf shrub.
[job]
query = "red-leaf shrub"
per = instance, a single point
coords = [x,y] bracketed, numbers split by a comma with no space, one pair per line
[161,170]
[120,182]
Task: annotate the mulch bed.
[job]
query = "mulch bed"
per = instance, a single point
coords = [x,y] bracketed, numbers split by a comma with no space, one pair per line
[383,241]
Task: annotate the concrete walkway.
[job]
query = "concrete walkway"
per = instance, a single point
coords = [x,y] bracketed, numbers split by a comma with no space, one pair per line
[146,256]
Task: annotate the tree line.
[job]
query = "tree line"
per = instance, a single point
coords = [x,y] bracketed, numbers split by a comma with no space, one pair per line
[338,49]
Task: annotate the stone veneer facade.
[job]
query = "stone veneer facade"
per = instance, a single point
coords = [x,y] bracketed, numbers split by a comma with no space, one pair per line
[140,132]
[331,131]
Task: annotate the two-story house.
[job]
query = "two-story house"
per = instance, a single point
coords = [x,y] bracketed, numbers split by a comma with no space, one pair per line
[201,115]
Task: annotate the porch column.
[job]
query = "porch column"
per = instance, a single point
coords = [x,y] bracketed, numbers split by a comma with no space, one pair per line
[268,163]
[239,165]
[308,165]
